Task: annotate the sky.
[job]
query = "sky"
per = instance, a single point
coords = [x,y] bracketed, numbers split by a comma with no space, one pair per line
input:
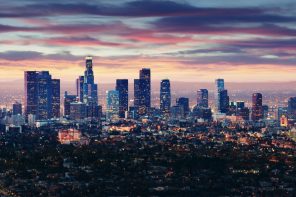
[184,40]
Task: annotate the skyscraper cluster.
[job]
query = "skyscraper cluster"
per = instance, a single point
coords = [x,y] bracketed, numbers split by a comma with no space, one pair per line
[85,103]
[42,95]
[42,99]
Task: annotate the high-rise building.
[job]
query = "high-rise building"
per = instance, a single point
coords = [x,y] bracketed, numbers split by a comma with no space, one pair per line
[44,95]
[165,96]
[79,88]
[68,99]
[30,88]
[112,111]
[184,104]
[292,108]
[139,101]
[223,101]
[219,85]
[257,110]
[203,98]
[122,88]
[145,91]
[17,108]
[56,98]
[90,90]
[41,92]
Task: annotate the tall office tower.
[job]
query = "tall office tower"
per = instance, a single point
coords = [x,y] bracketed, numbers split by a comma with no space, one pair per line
[165,96]
[79,88]
[56,98]
[68,99]
[145,76]
[219,85]
[139,101]
[223,101]
[30,88]
[40,94]
[292,107]
[90,90]
[44,96]
[203,98]
[257,111]
[184,103]
[122,88]
[112,104]
[16,108]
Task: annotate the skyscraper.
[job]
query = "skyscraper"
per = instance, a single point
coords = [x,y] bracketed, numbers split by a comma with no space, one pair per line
[122,88]
[184,103]
[292,107]
[219,84]
[165,96]
[68,99]
[257,110]
[90,89]
[112,104]
[203,98]
[56,98]
[79,88]
[145,76]
[139,101]
[17,108]
[223,101]
[30,88]
[41,95]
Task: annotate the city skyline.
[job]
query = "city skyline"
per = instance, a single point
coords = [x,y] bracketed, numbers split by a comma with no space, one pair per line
[148,98]
[184,40]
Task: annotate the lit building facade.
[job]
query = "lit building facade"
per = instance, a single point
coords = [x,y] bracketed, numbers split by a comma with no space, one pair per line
[219,86]
[184,104]
[165,96]
[68,99]
[41,95]
[112,111]
[122,88]
[203,98]
[257,110]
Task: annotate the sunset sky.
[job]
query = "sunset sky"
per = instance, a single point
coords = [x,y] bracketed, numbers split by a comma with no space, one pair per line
[190,40]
